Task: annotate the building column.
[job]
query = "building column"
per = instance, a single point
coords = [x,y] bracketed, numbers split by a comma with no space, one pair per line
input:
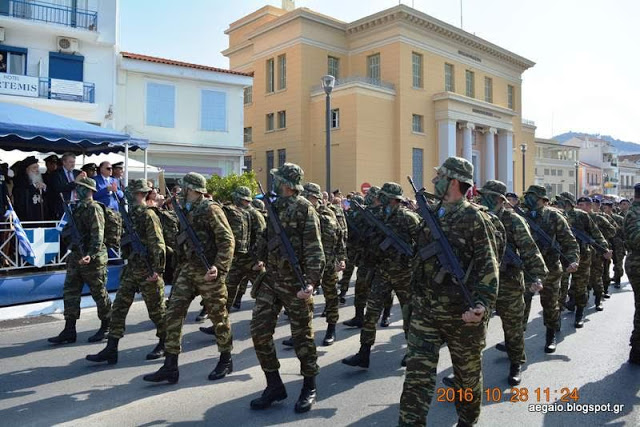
[505,158]
[467,140]
[490,154]
[446,139]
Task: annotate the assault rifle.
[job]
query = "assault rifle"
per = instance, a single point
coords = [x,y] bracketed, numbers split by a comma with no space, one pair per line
[355,234]
[440,246]
[543,240]
[511,258]
[391,238]
[588,240]
[71,230]
[187,233]
[132,238]
[281,240]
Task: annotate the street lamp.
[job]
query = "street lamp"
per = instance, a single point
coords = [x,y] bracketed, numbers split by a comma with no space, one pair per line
[577,164]
[328,82]
[523,148]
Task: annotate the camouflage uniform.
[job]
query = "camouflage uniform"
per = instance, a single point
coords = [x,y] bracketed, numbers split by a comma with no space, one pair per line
[608,230]
[617,244]
[554,224]
[280,286]
[437,305]
[89,219]
[135,272]
[632,267]
[510,302]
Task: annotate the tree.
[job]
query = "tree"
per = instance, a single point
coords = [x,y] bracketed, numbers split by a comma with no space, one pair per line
[222,187]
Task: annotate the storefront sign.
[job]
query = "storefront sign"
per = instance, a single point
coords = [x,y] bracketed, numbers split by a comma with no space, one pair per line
[67,90]
[13,84]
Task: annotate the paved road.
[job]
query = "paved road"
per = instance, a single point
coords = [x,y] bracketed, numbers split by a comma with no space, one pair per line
[44,385]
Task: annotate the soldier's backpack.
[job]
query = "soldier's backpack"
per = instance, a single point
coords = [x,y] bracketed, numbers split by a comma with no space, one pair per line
[240,222]
[113,227]
[170,226]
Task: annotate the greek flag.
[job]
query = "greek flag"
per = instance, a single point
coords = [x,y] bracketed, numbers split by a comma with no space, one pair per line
[24,246]
[62,223]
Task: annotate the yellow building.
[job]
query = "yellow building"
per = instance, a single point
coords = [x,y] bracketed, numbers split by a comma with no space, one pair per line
[411,90]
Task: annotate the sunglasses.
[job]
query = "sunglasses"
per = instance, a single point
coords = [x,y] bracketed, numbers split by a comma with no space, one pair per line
[108,169]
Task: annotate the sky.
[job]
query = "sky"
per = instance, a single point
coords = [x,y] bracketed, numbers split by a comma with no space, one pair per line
[586,51]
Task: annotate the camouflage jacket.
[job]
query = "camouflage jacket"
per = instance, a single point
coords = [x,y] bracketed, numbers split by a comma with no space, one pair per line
[258,227]
[170,227]
[332,234]
[581,220]
[89,218]
[468,232]
[497,232]
[342,220]
[405,224]
[301,224]
[214,233]
[556,226]
[632,230]
[618,222]
[240,222]
[607,229]
[149,230]
[521,241]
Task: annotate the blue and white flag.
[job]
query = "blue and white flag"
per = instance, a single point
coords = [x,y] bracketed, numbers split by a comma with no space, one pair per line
[24,245]
[45,243]
[62,223]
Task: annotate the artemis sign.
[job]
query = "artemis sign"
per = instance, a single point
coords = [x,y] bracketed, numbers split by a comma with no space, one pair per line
[13,84]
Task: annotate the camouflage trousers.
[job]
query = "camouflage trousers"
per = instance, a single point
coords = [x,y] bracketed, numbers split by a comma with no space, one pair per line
[330,291]
[619,253]
[580,279]
[383,283]
[240,273]
[565,289]
[347,273]
[549,296]
[595,278]
[189,283]
[133,280]
[632,267]
[94,275]
[270,299]
[431,325]
[510,306]
[364,277]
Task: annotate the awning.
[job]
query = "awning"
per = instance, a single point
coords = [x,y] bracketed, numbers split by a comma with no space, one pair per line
[28,129]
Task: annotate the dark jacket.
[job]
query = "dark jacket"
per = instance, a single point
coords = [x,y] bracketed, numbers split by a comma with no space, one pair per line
[61,184]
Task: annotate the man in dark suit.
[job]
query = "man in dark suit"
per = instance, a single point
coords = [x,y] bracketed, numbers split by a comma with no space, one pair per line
[64,181]
[50,197]
[107,186]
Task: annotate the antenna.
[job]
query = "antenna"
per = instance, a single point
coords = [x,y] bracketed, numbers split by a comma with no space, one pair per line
[460,14]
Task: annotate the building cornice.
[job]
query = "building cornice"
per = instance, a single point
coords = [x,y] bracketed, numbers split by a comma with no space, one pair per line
[356,87]
[302,13]
[474,103]
[415,18]
[265,11]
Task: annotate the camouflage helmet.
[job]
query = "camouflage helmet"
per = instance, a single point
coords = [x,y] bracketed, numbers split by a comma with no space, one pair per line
[371,194]
[290,174]
[242,193]
[195,181]
[138,186]
[312,189]
[457,168]
[87,182]
[258,204]
[494,188]
[358,198]
[392,190]
[538,191]
[567,197]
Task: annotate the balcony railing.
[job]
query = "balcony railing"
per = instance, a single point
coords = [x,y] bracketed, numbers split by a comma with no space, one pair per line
[50,13]
[359,79]
[46,90]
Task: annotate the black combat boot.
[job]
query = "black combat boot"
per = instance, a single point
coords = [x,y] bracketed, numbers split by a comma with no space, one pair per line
[606,294]
[324,313]
[599,306]
[616,282]
[403,362]
[571,303]
[101,333]
[307,395]
[342,296]
[238,302]
[68,334]
[109,354]
[158,351]
[202,316]
[449,381]
[462,423]
[167,372]
[224,367]
[288,342]
[330,336]
[274,392]
[209,330]
[515,374]
[357,321]
[501,347]
[360,359]
[386,314]
[579,322]
[634,356]
[550,345]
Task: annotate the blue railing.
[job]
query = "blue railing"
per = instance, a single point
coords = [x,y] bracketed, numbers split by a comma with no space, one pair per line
[88,92]
[51,13]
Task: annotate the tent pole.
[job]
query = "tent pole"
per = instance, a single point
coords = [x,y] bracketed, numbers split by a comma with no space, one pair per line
[126,164]
[145,164]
